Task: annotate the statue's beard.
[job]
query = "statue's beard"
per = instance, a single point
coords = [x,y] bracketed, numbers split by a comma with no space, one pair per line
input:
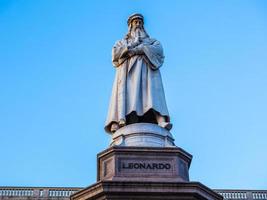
[138,32]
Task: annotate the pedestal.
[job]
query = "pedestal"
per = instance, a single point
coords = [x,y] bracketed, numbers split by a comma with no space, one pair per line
[121,190]
[143,163]
[152,164]
[144,173]
[142,135]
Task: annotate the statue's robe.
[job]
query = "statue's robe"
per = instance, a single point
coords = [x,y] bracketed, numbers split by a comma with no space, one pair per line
[138,85]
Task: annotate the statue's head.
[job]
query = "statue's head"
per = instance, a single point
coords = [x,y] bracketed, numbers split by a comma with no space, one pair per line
[136,26]
[135,20]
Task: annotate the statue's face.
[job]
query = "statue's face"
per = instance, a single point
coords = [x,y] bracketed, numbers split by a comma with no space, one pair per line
[137,23]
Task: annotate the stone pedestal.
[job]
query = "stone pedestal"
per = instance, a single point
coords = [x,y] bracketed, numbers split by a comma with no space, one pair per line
[142,135]
[123,190]
[152,164]
[143,163]
[144,173]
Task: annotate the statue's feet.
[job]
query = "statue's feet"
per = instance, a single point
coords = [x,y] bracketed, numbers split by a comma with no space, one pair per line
[114,127]
[166,125]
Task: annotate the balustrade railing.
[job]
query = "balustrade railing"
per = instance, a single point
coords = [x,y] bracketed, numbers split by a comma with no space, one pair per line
[16,192]
[37,192]
[259,195]
[65,192]
[60,193]
[243,194]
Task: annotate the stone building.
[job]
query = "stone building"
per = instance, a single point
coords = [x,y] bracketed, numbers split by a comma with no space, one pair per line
[63,193]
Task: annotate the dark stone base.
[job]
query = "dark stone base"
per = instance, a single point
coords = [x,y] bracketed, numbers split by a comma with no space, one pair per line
[144,173]
[153,164]
[122,190]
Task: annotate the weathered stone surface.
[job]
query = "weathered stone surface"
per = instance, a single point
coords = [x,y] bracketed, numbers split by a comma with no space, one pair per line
[144,164]
[143,135]
[117,190]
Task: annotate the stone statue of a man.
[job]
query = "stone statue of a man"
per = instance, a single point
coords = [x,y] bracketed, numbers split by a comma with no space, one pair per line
[137,94]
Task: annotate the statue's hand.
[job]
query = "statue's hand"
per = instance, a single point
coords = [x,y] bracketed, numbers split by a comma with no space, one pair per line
[131,52]
[136,48]
[133,45]
[139,49]
[136,42]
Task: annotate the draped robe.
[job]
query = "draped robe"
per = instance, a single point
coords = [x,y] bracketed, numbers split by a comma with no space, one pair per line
[138,85]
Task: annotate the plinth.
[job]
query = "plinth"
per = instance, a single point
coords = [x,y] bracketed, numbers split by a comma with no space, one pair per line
[118,190]
[153,164]
[143,163]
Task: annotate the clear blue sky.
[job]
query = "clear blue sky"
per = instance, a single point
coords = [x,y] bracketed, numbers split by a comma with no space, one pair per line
[56,78]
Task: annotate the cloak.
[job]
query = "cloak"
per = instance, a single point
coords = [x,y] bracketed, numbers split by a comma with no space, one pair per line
[138,85]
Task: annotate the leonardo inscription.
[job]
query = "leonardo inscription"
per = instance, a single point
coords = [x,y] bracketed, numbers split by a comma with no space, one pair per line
[148,166]
[143,165]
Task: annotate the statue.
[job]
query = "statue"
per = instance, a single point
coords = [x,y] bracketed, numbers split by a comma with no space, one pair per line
[137,94]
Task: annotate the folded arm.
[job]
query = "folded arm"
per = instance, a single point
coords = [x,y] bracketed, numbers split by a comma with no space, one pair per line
[153,51]
[122,51]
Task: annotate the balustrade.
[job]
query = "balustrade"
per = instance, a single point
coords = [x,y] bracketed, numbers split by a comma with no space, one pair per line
[243,194]
[37,192]
[64,192]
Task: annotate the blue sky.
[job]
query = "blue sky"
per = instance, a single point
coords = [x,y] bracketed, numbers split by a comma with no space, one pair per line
[56,78]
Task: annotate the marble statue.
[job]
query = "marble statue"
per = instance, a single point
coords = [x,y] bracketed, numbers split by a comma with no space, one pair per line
[137,94]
